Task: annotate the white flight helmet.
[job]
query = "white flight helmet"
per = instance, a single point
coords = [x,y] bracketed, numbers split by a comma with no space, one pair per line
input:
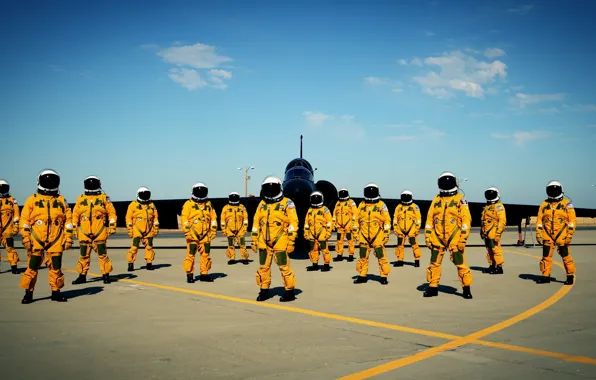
[271,189]
[492,195]
[199,191]
[343,194]
[371,193]
[143,194]
[48,182]
[316,199]
[406,197]
[447,183]
[4,188]
[234,198]
[554,190]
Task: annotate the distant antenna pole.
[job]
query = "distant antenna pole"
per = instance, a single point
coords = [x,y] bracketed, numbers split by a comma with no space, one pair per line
[300,146]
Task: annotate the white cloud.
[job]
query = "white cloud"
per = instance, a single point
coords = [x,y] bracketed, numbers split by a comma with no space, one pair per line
[187,78]
[418,122]
[493,90]
[521,137]
[376,80]
[486,114]
[521,10]
[424,132]
[344,126]
[549,111]
[521,100]
[402,62]
[494,52]
[397,89]
[197,56]
[416,61]
[587,107]
[459,72]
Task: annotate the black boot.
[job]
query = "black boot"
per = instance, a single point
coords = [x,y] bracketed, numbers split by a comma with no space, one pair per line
[417,263]
[543,280]
[231,262]
[339,258]
[57,296]
[498,270]
[190,278]
[313,267]
[350,258]
[467,293]
[263,295]
[570,279]
[245,262]
[106,279]
[384,281]
[13,269]
[288,296]
[431,291]
[28,298]
[131,267]
[205,278]
[149,266]
[80,280]
[399,263]
[490,269]
[326,268]
[361,280]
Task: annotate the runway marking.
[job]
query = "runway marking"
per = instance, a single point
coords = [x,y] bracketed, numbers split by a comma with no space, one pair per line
[470,339]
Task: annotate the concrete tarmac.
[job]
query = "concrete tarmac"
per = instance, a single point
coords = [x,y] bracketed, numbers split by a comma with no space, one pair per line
[154,325]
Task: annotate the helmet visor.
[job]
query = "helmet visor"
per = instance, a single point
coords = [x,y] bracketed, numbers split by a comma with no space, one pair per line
[234,198]
[144,195]
[554,191]
[447,183]
[271,190]
[490,195]
[4,188]
[406,198]
[343,194]
[200,192]
[49,181]
[92,184]
[371,192]
[316,199]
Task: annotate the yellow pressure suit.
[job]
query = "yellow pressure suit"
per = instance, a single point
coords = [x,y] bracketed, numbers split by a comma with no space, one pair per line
[199,222]
[274,230]
[89,217]
[234,225]
[406,224]
[555,227]
[46,228]
[318,226]
[492,224]
[9,228]
[373,225]
[142,223]
[344,219]
[448,228]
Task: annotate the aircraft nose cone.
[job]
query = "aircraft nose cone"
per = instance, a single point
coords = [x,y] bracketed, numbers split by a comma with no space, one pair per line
[298,190]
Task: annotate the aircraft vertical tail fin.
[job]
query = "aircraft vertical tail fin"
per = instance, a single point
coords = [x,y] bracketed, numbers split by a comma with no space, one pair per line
[300,146]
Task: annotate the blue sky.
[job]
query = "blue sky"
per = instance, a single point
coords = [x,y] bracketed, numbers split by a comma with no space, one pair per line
[163,96]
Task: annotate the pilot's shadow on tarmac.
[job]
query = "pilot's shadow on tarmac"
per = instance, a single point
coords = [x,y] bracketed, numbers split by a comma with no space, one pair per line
[373,277]
[157,266]
[479,269]
[74,293]
[214,276]
[280,291]
[536,277]
[116,277]
[442,289]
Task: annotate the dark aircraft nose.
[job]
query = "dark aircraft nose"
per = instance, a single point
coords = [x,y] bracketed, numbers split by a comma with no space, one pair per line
[298,190]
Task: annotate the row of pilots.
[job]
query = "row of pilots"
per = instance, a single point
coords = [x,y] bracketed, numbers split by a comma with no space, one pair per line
[47,227]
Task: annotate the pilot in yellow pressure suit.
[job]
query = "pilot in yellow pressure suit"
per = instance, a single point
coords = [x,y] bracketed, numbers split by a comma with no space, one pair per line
[373,225]
[199,222]
[344,219]
[406,224]
[274,229]
[92,211]
[448,228]
[9,224]
[555,227]
[317,230]
[142,223]
[492,224]
[234,225]
[46,228]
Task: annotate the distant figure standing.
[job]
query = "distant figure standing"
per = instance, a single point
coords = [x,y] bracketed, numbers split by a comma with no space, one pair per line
[234,225]
[9,224]
[406,224]
[492,224]
[317,230]
[142,223]
[344,219]
[555,227]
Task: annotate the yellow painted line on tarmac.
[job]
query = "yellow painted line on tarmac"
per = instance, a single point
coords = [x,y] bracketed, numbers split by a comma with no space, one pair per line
[473,338]
[470,339]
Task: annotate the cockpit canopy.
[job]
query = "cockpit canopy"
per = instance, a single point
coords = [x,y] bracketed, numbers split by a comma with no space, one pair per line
[300,162]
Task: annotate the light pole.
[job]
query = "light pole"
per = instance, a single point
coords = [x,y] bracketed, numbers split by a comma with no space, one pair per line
[246,178]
